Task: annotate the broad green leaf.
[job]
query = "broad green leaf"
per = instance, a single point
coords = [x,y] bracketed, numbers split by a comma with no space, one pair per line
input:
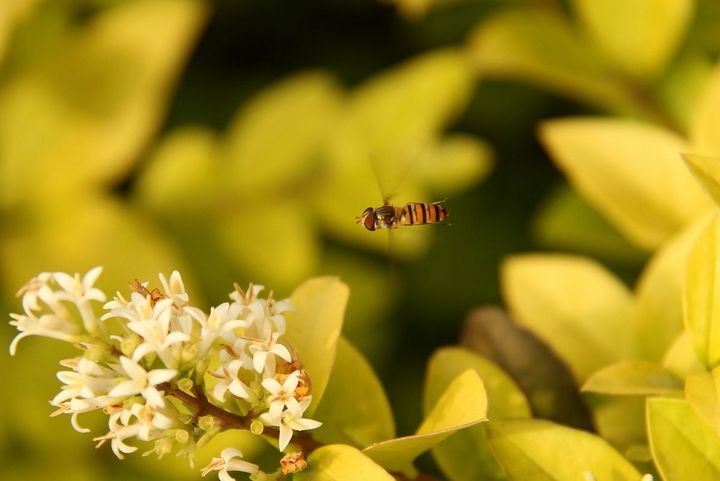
[707,172]
[659,294]
[565,221]
[546,380]
[179,180]
[574,305]
[273,241]
[705,121]
[639,36]
[464,404]
[630,171]
[546,50]
[313,328]
[355,409]
[633,378]
[702,390]
[680,358]
[273,142]
[466,455]
[684,446]
[702,314]
[538,450]
[339,462]
[96,104]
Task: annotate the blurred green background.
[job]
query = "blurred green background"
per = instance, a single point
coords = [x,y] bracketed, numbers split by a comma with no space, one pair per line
[237,141]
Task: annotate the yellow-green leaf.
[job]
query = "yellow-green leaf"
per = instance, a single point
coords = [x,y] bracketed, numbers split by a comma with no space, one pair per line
[707,172]
[466,455]
[464,404]
[633,378]
[313,328]
[705,122]
[680,357]
[545,50]
[573,304]
[659,294]
[639,36]
[532,449]
[457,163]
[618,419]
[274,141]
[683,445]
[631,171]
[355,409]
[702,290]
[272,242]
[96,104]
[339,462]
[702,390]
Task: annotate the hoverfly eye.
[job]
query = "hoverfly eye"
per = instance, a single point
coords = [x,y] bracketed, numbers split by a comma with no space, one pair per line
[369,219]
[368,212]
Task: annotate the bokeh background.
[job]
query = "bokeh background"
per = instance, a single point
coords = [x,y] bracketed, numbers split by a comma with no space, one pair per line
[237,141]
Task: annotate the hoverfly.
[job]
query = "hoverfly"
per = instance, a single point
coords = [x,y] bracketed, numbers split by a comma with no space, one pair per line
[389,216]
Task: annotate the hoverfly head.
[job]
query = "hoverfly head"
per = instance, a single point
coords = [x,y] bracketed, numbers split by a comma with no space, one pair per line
[367,218]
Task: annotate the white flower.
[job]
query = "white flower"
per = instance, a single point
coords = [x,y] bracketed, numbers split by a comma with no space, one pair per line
[282,395]
[87,380]
[261,349]
[175,289]
[227,462]
[120,429]
[47,325]
[218,324]
[150,419]
[77,406]
[141,382]
[229,381]
[288,421]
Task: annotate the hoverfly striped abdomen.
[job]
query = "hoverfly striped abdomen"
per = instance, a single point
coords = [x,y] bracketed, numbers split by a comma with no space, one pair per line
[417,213]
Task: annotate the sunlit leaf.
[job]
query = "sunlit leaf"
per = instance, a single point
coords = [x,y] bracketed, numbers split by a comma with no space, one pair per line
[679,91]
[684,446]
[313,328]
[355,409]
[574,305]
[466,455]
[275,139]
[455,164]
[546,50]
[706,119]
[659,293]
[546,380]
[12,13]
[639,36]
[702,314]
[707,172]
[619,420]
[274,242]
[339,462]
[630,171]
[464,404]
[537,450]
[702,390]
[633,378]
[680,358]
[97,103]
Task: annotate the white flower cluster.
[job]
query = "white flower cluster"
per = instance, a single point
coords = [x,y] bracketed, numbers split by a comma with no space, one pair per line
[167,372]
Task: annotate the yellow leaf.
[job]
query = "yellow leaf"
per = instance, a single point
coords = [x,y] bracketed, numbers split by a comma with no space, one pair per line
[702,290]
[576,306]
[705,122]
[313,328]
[639,36]
[544,49]
[339,462]
[680,357]
[707,172]
[659,293]
[702,390]
[97,104]
[630,171]
[633,378]
[463,404]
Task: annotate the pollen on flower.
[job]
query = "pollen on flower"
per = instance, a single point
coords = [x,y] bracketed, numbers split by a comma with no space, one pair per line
[168,372]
